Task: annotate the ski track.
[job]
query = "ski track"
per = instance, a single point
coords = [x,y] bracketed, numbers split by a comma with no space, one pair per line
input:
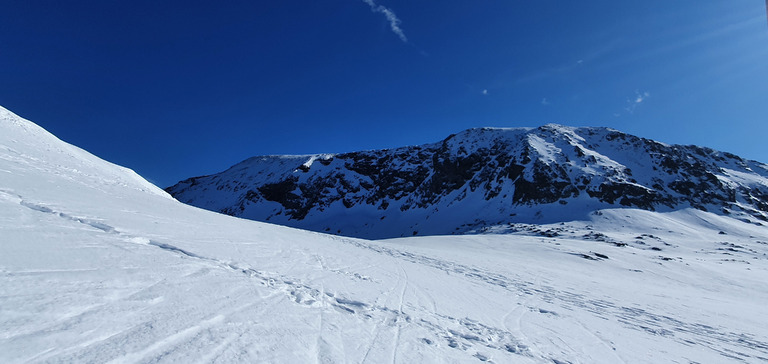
[299,293]
[397,323]
[633,317]
[216,352]
[170,341]
[463,334]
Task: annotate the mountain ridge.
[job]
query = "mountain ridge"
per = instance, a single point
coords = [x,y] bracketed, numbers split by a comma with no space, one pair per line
[482,177]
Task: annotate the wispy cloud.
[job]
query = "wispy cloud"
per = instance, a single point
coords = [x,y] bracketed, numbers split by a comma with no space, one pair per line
[484,92]
[545,102]
[639,98]
[394,22]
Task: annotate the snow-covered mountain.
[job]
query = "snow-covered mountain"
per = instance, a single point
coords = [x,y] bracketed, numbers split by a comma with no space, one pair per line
[480,178]
[99,266]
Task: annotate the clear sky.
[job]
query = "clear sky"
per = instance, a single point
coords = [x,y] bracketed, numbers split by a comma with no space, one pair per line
[175,89]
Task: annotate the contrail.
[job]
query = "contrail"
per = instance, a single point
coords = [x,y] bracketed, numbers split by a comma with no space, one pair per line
[394,22]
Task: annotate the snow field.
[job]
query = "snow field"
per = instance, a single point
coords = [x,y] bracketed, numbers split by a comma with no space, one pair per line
[98,265]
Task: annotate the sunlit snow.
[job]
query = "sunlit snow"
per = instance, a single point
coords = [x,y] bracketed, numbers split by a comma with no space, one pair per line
[97,265]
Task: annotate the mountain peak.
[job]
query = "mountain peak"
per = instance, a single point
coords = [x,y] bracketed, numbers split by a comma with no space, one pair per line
[481,177]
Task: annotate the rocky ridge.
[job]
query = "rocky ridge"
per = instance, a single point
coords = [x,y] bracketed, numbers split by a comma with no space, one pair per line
[483,177]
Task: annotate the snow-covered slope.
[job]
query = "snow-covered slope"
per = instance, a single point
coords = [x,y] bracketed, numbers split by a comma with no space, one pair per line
[479,178]
[98,266]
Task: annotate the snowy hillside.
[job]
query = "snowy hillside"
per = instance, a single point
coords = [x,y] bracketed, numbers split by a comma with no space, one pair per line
[480,178]
[99,266]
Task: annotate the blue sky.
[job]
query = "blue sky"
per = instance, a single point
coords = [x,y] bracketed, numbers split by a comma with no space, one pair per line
[175,89]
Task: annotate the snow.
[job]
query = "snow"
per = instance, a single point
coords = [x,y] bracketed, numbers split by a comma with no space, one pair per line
[98,265]
[547,151]
[744,178]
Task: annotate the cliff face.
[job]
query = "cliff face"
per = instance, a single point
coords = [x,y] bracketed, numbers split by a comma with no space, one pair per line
[482,177]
